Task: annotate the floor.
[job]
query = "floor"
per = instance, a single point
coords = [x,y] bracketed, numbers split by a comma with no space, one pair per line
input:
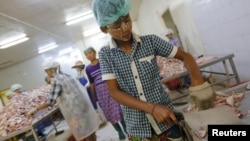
[106,133]
[60,137]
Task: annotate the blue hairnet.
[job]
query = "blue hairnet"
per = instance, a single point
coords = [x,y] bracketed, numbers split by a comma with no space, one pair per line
[108,11]
[9,93]
[15,87]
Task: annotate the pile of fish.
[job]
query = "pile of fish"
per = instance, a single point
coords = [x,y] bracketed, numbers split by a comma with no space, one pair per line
[233,100]
[171,66]
[13,115]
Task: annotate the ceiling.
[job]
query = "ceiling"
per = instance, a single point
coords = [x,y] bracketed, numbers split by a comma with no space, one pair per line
[44,22]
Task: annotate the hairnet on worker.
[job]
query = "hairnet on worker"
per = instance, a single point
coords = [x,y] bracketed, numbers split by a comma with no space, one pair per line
[14,87]
[168,31]
[51,65]
[9,94]
[108,11]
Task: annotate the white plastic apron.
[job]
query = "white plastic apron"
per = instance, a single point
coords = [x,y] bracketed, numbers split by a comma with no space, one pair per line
[76,107]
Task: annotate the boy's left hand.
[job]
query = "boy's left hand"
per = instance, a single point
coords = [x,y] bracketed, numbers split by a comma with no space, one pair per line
[164,115]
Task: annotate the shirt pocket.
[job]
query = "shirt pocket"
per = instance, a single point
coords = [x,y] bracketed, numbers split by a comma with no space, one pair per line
[148,66]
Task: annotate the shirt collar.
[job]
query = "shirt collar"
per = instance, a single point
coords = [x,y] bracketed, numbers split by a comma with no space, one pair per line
[112,43]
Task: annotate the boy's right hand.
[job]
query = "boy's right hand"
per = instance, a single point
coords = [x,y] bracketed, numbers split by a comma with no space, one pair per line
[164,115]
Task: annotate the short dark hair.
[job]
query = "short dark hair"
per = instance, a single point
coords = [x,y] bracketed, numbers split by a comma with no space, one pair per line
[89,49]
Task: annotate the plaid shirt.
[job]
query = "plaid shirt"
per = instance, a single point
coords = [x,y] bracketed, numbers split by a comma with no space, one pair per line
[56,89]
[57,86]
[138,75]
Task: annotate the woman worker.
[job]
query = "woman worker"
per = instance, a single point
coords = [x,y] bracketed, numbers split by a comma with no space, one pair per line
[82,77]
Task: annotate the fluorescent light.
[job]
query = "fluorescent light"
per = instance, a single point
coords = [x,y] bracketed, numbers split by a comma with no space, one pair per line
[65,51]
[79,18]
[13,41]
[47,48]
[91,32]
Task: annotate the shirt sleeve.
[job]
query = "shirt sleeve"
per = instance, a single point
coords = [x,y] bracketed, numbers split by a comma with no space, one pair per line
[106,68]
[56,90]
[163,48]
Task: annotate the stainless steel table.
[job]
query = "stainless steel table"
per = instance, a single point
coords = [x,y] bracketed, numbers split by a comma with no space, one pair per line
[223,60]
[14,134]
[48,115]
[32,127]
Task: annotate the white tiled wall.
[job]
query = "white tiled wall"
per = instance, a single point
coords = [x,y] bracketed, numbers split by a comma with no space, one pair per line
[224,27]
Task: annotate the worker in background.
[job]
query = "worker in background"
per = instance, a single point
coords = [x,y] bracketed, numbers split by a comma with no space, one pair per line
[72,100]
[172,39]
[16,88]
[184,80]
[82,77]
[110,107]
[128,66]
[81,74]
[9,94]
